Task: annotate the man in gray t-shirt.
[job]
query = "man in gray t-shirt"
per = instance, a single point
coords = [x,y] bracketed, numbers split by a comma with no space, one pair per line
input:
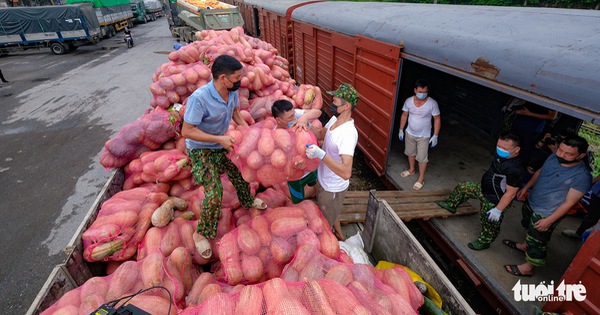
[559,184]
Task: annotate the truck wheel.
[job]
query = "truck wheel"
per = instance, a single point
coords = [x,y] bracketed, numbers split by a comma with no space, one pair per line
[113,31]
[145,20]
[58,48]
[153,17]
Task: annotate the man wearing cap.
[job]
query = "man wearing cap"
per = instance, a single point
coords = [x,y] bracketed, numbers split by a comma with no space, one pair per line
[339,137]
[417,111]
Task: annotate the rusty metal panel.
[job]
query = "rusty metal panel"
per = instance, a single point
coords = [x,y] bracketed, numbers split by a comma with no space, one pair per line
[298,52]
[376,72]
[325,61]
[546,56]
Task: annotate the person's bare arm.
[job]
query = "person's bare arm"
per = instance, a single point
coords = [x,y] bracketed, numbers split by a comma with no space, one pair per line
[343,169]
[551,115]
[573,196]
[507,198]
[190,131]
[302,122]
[437,124]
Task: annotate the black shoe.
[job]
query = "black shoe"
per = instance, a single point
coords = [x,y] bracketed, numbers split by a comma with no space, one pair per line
[446,206]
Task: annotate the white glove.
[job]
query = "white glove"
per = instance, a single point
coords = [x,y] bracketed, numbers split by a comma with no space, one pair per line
[433,141]
[494,214]
[401,135]
[313,151]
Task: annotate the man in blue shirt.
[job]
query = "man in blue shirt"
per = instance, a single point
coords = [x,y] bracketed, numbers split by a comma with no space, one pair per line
[208,114]
[559,184]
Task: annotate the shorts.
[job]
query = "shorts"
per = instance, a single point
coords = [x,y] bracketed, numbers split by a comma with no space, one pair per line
[297,187]
[331,203]
[417,147]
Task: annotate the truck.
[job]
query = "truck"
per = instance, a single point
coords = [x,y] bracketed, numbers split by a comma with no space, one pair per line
[113,15]
[385,237]
[144,11]
[187,17]
[61,28]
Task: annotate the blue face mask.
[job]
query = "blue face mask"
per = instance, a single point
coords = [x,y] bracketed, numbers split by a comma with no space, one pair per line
[421,96]
[502,153]
[289,125]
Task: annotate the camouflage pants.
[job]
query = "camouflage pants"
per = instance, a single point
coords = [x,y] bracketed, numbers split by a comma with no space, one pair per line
[537,241]
[207,167]
[471,190]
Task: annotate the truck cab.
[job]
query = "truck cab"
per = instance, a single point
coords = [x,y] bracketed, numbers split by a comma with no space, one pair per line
[140,13]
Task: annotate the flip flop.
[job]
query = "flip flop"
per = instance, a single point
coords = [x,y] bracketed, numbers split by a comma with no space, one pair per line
[259,204]
[417,186]
[511,244]
[406,173]
[514,270]
[202,245]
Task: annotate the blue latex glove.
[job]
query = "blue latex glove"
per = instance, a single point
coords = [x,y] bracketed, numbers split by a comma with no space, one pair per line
[433,141]
[401,135]
[494,214]
[313,151]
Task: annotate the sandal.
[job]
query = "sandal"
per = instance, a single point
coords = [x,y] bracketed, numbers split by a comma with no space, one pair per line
[511,244]
[259,204]
[514,270]
[417,186]
[202,245]
[406,173]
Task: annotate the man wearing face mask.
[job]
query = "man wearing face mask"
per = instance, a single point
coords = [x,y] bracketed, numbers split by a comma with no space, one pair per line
[498,187]
[557,186]
[208,114]
[339,141]
[297,119]
[417,111]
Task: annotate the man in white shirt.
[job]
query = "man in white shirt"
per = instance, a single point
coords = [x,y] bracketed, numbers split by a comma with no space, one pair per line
[339,141]
[417,111]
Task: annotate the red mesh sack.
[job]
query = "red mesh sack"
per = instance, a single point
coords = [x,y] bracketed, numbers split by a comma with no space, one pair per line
[270,156]
[390,293]
[148,133]
[259,249]
[121,224]
[176,273]
[159,166]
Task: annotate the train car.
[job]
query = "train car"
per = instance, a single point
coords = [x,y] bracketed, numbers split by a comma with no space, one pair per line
[271,21]
[476,59]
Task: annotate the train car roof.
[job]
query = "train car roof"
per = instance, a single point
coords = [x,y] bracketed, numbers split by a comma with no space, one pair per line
[278,6]
[547,56]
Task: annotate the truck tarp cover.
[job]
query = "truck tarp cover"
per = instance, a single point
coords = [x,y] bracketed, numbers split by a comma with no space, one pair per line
[101,3]
[152,5]
[26,20]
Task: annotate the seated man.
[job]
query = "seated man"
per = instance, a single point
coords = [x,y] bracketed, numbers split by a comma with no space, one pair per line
[297,119]
[498,187]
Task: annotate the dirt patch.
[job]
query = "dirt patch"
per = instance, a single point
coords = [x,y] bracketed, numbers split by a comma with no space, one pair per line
[363,177]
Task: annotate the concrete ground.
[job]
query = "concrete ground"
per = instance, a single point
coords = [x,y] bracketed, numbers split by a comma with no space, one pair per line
[56,113]
[461,156]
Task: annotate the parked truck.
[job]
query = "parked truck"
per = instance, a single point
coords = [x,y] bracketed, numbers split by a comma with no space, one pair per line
[147,10]
[113,15]
[62,28]
[187,17]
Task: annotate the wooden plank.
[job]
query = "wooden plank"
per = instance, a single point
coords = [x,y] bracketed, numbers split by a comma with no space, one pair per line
[408,205]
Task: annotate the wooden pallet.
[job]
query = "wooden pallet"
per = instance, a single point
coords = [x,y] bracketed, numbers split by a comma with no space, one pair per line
[408,205]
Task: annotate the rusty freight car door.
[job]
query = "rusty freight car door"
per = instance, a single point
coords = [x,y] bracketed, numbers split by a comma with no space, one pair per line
[376,66]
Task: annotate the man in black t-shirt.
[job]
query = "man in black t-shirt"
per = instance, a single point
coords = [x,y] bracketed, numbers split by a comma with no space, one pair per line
[498,187]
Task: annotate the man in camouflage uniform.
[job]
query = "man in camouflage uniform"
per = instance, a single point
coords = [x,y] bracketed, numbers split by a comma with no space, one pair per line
[339,141]
[209,110]
[498,187]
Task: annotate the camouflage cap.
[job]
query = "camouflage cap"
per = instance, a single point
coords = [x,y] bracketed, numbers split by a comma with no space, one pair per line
[346,92]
